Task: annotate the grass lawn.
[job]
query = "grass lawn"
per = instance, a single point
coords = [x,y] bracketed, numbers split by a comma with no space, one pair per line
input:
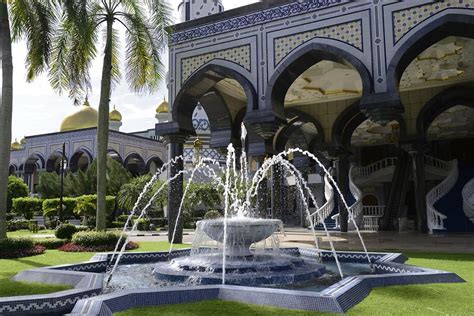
[432,299]
[27,233]
[10,267]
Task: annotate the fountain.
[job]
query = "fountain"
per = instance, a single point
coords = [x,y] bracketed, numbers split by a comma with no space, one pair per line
[234,258]
[238,257]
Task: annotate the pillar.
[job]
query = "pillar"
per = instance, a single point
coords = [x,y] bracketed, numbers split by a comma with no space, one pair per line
[175,194]
[262,192]
[277,191]
[419,181]
[342,171]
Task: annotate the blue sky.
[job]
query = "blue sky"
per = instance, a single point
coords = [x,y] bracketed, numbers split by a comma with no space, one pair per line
[37,109]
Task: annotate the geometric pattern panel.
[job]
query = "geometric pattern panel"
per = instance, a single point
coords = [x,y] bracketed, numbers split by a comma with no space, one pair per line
[350,33]
[406,19]
[286,10]
[239,55]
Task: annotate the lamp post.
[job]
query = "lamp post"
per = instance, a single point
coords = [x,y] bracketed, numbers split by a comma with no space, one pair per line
[63,167]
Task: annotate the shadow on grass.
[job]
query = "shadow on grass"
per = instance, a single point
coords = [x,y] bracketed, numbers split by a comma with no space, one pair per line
[33,264]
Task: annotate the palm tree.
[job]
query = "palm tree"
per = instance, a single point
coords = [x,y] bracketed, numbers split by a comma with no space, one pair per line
[76,45]
[31,20]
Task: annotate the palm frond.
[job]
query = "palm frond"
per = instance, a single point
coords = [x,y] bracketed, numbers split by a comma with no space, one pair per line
[144,69]
[75,48]
[35,21]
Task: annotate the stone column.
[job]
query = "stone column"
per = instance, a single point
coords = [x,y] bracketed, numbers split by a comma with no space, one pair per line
[262,192]
[419,181]
[277,191]
[175,194]
[342,171]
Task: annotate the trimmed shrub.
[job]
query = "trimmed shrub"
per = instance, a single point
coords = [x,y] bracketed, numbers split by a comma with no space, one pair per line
[51,243]
[93,238]
[143,224]
[86,205]
[65,231]
[11,216]
[16,189]
[212,214]
[17,225]
[27,206]
[19,247]
[51,206]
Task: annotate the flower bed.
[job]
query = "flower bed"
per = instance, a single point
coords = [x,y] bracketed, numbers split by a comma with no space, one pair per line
[19,247]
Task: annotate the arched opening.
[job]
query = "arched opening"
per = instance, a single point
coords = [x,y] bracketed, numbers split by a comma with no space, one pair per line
[435,32]
[53,164]
[317,74]
[80,160]
[447,123]
[12,169]
[114,155]
[32,166]
[153,165]
[222,89]
[370,200]
[135,164]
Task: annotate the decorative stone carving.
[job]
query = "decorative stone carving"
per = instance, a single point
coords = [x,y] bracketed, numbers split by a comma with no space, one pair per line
[406,19]
[239,55]
[350,33]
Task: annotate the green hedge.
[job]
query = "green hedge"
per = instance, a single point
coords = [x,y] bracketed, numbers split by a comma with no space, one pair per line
[92,238]
[212,214]
[16,188]
[15,244]
[51,206]
[86,205]
[51,243]
[27,206]
[17,225]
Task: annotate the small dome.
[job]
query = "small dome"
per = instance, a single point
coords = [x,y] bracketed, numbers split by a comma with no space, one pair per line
[23,141]
[115,115]
[16,145]
[85,117]
[164,107]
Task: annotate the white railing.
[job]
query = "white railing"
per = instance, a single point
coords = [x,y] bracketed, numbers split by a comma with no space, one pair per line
[376,166]
[371,223]
[435,218]
[376,210]
[356,208]
[326,209]
[437,163]
[468,199]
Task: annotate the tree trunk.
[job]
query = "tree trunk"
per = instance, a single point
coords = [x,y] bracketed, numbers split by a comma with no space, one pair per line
[6,101]
[103,131]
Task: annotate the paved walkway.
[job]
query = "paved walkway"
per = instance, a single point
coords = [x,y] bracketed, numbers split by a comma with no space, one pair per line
[297,237]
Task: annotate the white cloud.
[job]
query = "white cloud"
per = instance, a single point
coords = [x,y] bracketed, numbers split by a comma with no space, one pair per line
[37,109]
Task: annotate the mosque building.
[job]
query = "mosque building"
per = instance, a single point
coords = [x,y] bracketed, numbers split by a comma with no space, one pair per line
[137,152]
[382,92]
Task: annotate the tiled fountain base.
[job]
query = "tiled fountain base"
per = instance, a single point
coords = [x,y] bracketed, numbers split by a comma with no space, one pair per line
[87,280]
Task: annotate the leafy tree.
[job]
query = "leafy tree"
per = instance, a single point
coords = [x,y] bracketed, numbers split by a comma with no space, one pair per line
[129,193]
[76,45]
[202,194]
[85,182]
[49,185]
[31,20]
[16,189]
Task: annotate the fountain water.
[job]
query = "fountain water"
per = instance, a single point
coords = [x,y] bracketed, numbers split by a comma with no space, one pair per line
[233,261]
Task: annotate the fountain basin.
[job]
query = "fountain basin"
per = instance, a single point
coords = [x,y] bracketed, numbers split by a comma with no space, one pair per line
[241,233]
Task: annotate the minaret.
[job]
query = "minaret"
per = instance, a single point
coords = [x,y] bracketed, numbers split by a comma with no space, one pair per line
[115,120]
[195,9]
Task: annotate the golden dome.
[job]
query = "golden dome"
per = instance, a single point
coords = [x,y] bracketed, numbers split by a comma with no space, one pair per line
[164,107]
[115,115]
[16,145]
[85,117]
